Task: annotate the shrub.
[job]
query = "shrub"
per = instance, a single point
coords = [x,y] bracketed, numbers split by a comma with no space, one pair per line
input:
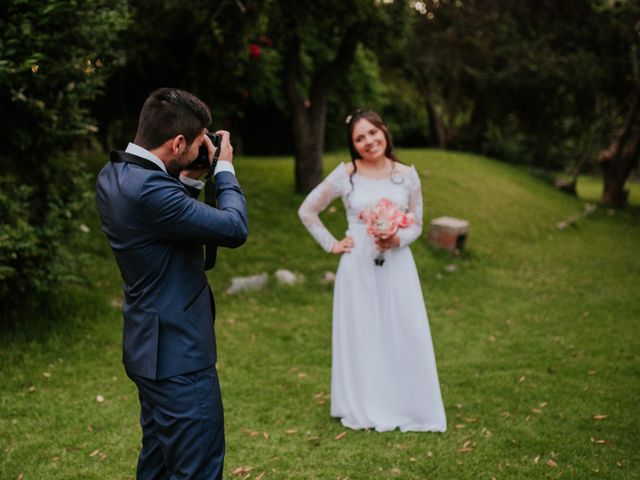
[54,58]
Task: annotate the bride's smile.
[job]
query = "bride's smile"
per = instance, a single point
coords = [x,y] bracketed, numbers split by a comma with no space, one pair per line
[369,141]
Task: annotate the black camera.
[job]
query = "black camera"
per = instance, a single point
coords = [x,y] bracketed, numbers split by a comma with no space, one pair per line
[202,160]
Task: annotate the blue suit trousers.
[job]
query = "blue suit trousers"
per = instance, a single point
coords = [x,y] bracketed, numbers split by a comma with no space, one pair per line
[182,427]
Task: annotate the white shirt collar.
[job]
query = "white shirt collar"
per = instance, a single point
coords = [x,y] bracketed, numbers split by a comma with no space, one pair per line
[137,150]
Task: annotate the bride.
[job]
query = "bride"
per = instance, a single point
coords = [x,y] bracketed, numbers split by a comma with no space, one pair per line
[383,373]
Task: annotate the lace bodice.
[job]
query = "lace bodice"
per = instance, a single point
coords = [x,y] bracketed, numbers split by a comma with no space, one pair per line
[402,189]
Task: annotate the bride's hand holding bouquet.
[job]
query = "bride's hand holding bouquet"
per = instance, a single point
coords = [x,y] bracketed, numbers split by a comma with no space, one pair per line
[383,220]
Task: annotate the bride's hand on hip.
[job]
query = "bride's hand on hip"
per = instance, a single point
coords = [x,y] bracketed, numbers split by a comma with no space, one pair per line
[343,246]
[387,243]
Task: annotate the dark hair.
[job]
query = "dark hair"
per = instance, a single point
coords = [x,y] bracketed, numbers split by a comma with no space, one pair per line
[376,120]
[168,112]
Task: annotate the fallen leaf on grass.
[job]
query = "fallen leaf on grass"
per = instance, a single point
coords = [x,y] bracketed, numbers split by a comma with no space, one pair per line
[99,398]
[536,410]
[551,463]
[598,441]
[291,430]
[46,374]
[21,476]
[466,448]
[543,404]
[413,459]
[265,435]
[599,417]
[32,388]
[261,476]
[429,454]
[460,426]
[340,436]
[302,375]
[242,470]
[521,379]
[95,452]
[536,460]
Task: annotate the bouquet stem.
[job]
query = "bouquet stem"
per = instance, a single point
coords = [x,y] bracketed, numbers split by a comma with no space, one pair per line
[379,260]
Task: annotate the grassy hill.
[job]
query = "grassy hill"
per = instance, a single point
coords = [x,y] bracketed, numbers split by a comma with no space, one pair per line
[535,334]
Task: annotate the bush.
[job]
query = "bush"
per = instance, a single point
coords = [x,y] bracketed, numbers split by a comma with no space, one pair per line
[54,58]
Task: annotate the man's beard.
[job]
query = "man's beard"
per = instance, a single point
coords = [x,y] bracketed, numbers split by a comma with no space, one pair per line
[175,166]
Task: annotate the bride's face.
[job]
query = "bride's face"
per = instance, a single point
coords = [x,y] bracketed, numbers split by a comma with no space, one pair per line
[368,140]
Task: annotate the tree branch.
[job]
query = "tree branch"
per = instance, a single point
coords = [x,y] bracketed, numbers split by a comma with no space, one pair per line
[337,67]
[291,69]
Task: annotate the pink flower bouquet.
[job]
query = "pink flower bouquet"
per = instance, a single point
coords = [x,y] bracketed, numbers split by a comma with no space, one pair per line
[383,220]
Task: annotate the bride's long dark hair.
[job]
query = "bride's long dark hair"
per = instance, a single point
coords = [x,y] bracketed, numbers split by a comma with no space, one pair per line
[376,120]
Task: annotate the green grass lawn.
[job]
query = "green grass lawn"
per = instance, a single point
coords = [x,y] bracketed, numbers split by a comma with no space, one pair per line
[535,333]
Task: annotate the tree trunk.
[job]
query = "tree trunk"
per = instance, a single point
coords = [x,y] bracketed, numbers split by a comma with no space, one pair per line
[310,114]
[436,127]
[618,161]
[308,139]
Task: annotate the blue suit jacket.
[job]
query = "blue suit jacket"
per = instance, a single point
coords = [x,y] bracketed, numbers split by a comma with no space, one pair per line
[156,229]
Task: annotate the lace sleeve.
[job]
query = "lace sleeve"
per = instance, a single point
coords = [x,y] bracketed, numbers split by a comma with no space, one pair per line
[408,235]
[317,200]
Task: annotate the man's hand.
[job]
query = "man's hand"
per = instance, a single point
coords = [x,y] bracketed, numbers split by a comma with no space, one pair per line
[226,150]
[226,153]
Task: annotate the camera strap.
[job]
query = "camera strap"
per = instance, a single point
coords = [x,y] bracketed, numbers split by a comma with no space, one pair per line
[211,249]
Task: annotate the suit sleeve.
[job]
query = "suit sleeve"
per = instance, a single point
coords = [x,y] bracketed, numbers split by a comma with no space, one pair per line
[175,216]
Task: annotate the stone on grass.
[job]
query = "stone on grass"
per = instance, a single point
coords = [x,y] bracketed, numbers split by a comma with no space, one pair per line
[448,233]
[287,277]
[243,284]
[328,277]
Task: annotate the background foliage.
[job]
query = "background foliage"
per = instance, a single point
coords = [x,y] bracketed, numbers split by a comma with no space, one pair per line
[540,83]
[54,58]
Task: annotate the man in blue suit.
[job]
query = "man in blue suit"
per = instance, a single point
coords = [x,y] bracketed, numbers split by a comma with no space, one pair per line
[156,228]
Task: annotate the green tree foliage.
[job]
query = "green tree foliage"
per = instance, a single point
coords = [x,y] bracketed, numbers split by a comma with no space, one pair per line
[233,55]
[319,43]
[208,48]
[621,114]
[529,81]
[54,57]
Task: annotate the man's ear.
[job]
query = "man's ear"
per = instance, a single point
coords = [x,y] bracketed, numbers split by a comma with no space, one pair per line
[178,144]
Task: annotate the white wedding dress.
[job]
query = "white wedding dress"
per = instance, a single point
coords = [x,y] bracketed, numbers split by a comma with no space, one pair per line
[383,373]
